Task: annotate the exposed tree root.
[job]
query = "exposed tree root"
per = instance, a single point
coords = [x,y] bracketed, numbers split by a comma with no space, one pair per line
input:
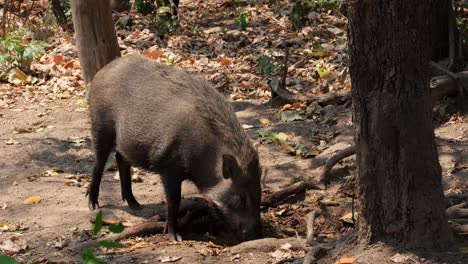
[190,209]
[461,229]
[315,253]
[321,99]
[268,245]
[296,188]
[149,227]
[325,169]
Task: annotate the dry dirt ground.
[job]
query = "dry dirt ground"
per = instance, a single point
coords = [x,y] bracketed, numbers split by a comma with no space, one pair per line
[45,151]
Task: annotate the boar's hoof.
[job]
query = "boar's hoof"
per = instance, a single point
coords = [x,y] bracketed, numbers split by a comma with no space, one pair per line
[174,237]
[134,205]
[93,204]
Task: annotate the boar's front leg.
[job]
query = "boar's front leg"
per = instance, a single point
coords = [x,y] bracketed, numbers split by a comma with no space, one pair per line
[172,180]
[126,182]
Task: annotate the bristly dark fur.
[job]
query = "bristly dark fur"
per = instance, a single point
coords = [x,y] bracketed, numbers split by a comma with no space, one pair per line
[166,120]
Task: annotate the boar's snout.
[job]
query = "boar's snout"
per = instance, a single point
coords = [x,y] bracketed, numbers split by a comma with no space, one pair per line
[249,232]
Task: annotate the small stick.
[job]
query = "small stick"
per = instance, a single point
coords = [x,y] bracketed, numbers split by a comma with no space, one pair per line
[310,219]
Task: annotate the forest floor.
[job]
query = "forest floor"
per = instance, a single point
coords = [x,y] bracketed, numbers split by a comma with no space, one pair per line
[46,152]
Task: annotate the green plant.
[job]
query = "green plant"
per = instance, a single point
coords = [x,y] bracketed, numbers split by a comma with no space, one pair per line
[7,260]
[145,7]
[462,25]
[66,9]
[17,53]
[88,256]
[265,66]
[241,15]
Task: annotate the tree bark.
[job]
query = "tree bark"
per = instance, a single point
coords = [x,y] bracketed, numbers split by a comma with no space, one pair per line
[399,175]
[95,35]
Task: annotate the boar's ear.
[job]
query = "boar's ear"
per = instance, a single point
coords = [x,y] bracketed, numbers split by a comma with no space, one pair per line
[231,169]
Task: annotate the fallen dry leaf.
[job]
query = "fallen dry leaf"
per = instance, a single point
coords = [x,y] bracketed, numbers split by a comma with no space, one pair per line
[400,258]
[235,257]
[154,54]
[224,61]
[32,200]
[11,141]
[346,260]
[13,245]
[169,259]
[54,171]
[264,121]
[3,226]
[58,59]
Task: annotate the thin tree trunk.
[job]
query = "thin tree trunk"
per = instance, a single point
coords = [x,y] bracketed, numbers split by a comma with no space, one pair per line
[399,175]
[58,12]
[95,35]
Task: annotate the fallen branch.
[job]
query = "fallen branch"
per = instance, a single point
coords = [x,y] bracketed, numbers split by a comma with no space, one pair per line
[190,210]
[267,245]
[446,86]
[152,226]
[325,169]
[321,99]
[296,188]
[457,196]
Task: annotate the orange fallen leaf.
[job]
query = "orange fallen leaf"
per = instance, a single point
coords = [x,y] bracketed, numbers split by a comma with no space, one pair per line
[347,85]
[286,107]
[224,61]
[243,84]
[58,59]
[70,64]
[32,200]
[346,260]
[154,54]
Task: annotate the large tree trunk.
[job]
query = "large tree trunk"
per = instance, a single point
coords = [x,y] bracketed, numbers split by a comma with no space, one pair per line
[399,175]
[95,35]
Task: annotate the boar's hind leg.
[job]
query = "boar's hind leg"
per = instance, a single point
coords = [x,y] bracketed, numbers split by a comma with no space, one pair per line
[126,182]
[172,181]
[102,152]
